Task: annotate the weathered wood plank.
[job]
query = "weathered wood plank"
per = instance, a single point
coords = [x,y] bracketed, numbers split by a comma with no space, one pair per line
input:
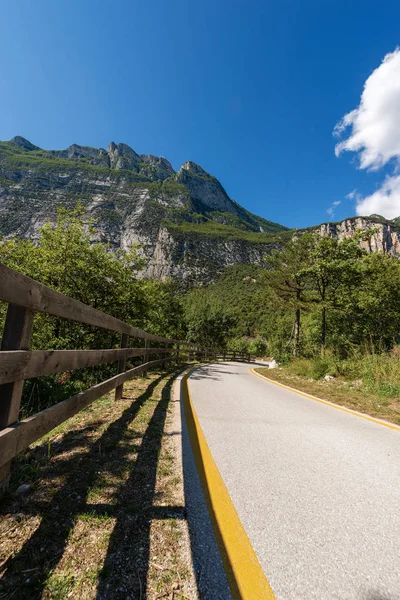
[22,364]
[16,335]
[21,290]
[20,435]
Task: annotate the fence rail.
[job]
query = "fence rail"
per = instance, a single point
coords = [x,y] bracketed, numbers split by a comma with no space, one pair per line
[25,297]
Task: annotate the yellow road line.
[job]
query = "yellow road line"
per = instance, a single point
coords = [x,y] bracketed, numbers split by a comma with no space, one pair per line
[332,404]
[244,573]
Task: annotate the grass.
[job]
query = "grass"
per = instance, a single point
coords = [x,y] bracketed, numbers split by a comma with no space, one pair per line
[227,232]
[105,515]
[369,383]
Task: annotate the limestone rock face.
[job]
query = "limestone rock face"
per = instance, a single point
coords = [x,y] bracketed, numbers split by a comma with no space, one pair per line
[123,157]
[385,239]
[204,188]
[156,167]
[94,156]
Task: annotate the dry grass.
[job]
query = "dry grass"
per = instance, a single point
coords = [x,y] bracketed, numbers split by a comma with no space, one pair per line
[105,516]
[350,394]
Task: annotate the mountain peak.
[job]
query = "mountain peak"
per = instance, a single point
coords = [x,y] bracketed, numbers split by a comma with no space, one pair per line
[194,168]
[22,142]
[122,156]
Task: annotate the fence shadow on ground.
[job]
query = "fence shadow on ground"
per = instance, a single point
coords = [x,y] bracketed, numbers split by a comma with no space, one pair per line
[124,572]
[213,371]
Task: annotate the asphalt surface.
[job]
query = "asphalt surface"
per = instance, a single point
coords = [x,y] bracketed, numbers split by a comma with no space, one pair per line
[317,489]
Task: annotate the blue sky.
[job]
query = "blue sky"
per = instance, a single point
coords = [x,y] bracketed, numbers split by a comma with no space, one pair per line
[250,90]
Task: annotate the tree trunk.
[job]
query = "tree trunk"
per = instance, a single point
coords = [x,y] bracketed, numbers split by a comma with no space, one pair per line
[296,336]
[323,330]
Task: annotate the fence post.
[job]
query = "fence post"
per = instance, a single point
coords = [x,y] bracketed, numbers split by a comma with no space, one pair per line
[146,352]
[121,367]
[178,348]
[16,336]
[165,354]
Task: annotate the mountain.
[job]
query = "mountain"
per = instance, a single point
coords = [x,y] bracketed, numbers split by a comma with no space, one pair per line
[385,239]
[185,222]
[187,226]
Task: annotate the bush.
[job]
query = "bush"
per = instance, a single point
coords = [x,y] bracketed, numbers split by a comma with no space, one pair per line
[378,373]
[238,345]
[258,347]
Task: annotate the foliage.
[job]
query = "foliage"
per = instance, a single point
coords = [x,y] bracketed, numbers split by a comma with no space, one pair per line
[377,373]
[65,259]
[211,229]
[255,346]
[348,299]
[208,322]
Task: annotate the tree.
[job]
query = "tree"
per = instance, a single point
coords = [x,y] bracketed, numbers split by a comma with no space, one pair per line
[287,278]
[332,274]
[208,322]
[376,305]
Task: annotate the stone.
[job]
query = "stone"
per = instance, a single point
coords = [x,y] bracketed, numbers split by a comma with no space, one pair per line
[23,489]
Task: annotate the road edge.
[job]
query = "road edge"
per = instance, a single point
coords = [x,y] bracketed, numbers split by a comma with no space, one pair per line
[243,571]
[332,404]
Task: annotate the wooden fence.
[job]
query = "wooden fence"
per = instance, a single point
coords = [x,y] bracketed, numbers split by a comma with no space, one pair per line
[25,297]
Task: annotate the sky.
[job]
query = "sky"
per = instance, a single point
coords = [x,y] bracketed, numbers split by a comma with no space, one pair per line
[294,105]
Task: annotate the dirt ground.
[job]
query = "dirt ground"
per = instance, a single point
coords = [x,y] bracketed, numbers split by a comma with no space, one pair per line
[104,516]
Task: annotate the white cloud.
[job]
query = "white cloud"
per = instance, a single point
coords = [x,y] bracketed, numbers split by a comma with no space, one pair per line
[331,209]
[385,201]
[352,195]
[375,124]
[375,136]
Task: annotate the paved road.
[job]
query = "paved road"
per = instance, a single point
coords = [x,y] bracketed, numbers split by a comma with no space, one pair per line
[317,489]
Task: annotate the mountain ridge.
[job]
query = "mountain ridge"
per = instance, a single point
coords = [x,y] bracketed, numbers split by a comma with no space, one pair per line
[186,224]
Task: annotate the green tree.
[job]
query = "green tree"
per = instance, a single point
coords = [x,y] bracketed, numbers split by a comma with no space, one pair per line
[287,277]
[332,275]
[375,305]
[208,323]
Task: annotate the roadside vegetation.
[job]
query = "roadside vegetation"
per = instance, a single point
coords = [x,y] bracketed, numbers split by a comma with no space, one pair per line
[366,382]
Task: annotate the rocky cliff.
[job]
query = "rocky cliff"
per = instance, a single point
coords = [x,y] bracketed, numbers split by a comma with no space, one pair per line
[386,236]
[185,223]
